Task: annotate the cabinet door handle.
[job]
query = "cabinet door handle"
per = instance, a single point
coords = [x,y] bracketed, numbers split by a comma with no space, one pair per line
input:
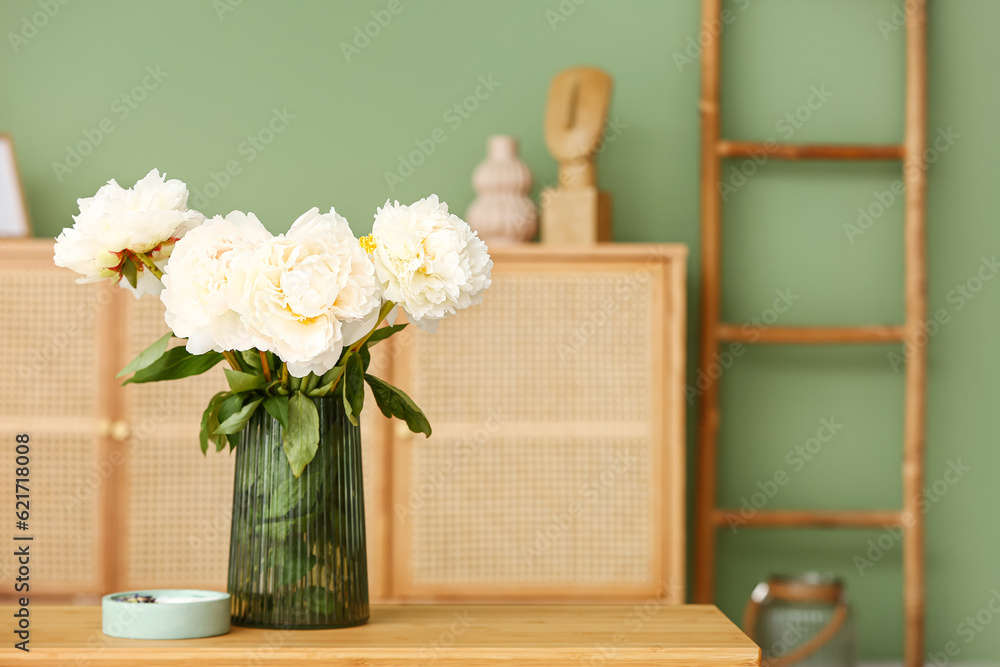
[119,430]
[401,431]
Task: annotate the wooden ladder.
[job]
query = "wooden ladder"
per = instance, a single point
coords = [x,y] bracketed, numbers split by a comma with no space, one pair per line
[714,331]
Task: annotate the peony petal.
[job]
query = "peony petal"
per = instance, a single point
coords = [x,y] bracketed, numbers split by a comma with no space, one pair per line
[426,324]
[355,331]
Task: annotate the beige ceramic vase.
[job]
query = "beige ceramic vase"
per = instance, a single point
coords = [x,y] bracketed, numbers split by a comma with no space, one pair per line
[502,212]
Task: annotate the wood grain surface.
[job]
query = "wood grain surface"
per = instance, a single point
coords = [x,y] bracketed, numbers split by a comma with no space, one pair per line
[643,634]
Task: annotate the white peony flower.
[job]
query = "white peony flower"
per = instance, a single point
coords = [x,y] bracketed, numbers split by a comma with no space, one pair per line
[307,294]
[197,282]
[429,261]
[146,219]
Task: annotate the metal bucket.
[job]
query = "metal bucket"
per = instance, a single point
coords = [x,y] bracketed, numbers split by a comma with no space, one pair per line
[802,620]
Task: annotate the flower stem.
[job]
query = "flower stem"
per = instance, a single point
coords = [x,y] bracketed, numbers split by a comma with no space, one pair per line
[263,363]
[144,258]
[231,358]
[386,307]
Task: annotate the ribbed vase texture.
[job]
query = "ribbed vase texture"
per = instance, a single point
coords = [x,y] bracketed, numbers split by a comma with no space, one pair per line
[297,557]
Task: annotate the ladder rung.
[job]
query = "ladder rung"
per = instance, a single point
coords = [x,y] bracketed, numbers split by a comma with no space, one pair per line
[750,333]
[808,518]
[809,151]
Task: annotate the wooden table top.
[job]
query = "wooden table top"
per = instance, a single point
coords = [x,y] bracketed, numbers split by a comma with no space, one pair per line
[466,635]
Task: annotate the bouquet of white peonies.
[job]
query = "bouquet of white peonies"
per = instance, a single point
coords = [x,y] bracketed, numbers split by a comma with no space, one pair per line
[293,315]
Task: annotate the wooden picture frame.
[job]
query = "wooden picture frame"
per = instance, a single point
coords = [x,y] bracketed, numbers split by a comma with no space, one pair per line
[14,221]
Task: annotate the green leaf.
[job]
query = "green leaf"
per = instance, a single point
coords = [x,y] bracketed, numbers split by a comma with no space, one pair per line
[252,359]
[316,476]
[129,272]
[354,388]
[237,421]
[147,356]
[220,439]
[279,529]
[240,381]
[280,501]
[302,435]
[327,382]
[317,599]
[331,375]
[176,363]
[277,407]
[290,563]
[384,332]
[210,420]
[309,383]
[393,402]
[366,357]
[231,406]
[320,392]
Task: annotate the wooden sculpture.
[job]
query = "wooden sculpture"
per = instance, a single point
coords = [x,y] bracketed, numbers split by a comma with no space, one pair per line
[576,212]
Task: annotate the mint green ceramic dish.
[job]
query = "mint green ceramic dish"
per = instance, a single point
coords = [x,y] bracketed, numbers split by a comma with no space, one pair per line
[165,614]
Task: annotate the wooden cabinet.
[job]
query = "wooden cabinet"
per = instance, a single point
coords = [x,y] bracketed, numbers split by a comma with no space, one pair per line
[555,472]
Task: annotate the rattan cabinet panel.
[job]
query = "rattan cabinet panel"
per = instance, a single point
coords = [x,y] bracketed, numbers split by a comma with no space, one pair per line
[556,468]
[65,523]
[176,502]
[51,330]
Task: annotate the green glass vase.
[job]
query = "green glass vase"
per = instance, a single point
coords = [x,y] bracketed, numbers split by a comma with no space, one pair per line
[297,557]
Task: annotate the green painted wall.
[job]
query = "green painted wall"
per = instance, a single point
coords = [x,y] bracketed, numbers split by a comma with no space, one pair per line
[344,125]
